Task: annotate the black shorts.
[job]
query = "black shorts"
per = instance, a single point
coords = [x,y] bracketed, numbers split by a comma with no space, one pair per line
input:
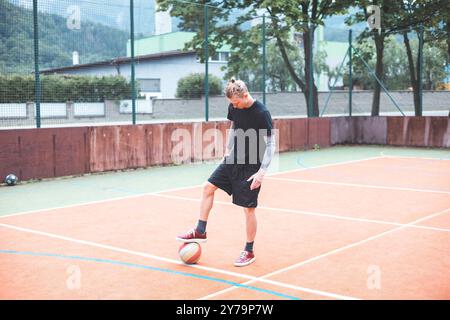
[232,178]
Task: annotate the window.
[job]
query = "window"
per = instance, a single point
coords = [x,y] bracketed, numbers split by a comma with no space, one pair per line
[215,57]
[220,57]
[224,56]
[150,85]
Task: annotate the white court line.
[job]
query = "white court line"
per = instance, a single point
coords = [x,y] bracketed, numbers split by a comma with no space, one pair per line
[177,262]
[406,167]
[310,213]
[326,165]
[95,202]
[302,263]
[413,157]
[359,185]
[173,189]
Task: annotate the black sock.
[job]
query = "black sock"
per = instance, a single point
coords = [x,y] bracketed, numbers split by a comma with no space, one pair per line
[201,226]
[249,246]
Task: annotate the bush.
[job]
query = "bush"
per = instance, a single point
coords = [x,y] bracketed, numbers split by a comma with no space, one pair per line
[192,86]
[59,88]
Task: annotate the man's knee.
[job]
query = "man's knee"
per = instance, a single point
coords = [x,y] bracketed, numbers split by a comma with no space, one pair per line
[209,188]
[249,211]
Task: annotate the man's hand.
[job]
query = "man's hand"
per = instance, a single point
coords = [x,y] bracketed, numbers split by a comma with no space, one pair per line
[257,179]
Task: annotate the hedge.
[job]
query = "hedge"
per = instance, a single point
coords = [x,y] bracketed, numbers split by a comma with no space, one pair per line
[192,86]
[60,88]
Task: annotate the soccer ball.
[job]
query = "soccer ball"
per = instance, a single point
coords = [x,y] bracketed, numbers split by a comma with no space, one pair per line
[11,179]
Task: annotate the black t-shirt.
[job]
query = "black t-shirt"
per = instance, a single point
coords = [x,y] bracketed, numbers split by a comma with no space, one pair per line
[250,125]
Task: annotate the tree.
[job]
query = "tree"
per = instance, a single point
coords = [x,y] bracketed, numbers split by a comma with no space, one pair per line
[399,17]
[278,78]
[435,60]
[283,16]
[278,75]
[431,16]
[388,26]
[94,42]
[396,65]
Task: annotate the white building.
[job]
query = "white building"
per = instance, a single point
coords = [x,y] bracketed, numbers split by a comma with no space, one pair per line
[160,61]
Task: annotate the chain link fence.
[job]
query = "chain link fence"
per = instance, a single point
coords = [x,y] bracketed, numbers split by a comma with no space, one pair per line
[84,62]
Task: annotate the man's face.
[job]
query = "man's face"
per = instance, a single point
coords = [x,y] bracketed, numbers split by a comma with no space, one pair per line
[238,103]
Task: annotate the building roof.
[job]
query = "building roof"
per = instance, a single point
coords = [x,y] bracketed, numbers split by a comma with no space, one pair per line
[121,60]
[165,42]
[160,43]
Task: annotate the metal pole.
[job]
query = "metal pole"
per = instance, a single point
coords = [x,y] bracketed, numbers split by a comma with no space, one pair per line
[264,59]
[37,80]
[350,73]
[206,66]
[334,84]
[133,87]
[420,70]
[371,72]
[311,70]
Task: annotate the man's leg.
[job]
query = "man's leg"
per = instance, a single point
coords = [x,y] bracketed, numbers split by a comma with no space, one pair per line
[251,224]
[199,233]
[207,200]
[247,256]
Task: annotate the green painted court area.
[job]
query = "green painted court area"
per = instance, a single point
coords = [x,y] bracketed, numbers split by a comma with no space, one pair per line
[66,191]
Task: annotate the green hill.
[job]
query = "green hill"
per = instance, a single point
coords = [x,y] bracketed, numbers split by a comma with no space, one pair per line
[93,41]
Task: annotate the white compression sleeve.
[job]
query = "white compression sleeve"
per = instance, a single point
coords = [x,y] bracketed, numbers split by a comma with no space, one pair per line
[270,151]
[231,135]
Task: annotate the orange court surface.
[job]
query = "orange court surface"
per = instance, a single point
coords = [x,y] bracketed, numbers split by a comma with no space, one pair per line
[371,228]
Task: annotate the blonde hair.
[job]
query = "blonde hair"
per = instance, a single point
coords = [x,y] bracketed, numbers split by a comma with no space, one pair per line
[235,88]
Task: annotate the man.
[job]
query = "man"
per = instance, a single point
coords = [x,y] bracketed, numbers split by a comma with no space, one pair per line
[250,149]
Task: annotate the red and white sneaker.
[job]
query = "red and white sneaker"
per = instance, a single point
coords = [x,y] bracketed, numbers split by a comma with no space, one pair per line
[245,259]
[192,236]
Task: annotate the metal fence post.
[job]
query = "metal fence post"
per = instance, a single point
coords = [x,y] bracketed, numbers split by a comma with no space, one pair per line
[311,70]
[206,65]
[37,80]
[133,84]
[350,73]
[264,59]
[420,70]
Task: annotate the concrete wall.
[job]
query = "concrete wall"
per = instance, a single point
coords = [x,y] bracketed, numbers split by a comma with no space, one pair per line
[419,131]
[42,153]
[359,130]
[54,152]
[397,131]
